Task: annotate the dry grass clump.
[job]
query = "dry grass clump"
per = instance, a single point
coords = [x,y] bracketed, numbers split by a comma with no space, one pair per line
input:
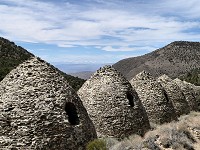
[181,135]
[171,136]
[98,144]
[127,144]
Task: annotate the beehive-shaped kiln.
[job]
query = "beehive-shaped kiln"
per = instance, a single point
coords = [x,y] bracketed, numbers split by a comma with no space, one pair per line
[154,98]
[175,94]
[113,105]
[39,110]
[189,94]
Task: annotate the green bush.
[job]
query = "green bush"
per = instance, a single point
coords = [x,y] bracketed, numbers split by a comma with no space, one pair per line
[98,144]
[193,77]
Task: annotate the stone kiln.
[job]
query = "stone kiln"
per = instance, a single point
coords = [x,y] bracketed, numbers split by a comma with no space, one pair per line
[188,91]
[174,94]
[113,105]
[39,110]
[154,98]
[196,91]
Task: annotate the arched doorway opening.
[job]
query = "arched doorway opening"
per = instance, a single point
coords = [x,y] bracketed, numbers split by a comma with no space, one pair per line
[130,99]
[72,114]
[166,96]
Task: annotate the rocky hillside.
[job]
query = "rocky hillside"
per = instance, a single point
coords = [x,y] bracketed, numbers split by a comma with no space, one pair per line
[193,76]
[12,55]
[173,60]
[75,82]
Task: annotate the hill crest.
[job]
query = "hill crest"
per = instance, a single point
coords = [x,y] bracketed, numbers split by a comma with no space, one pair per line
[174,59]
[12,55]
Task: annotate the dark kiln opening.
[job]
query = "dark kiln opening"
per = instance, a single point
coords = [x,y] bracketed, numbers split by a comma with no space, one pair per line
[70,109]
[130,98]
[165,94]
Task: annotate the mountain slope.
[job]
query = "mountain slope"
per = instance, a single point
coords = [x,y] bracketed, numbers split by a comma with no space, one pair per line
[193,76]
[12,55]
[173,60]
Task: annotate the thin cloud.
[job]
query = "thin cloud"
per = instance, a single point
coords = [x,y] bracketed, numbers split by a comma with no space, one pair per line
[84,59]
[87,24]
[126,48]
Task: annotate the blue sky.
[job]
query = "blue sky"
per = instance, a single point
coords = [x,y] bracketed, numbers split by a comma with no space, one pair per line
[97,31]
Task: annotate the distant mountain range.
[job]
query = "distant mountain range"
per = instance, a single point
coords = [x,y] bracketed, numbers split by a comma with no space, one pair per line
[174,60]
[83,75]
[178,59]
[83,71]
[74,68]
[12,55]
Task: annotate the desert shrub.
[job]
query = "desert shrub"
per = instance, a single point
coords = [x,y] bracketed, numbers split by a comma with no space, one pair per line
[130,143]
[181,135]
[135,141]
[177,139]
[124,145]
[192,76]
[110,142]
[150,143]
[98,144]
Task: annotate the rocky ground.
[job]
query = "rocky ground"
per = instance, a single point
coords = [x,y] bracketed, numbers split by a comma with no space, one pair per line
[181,135]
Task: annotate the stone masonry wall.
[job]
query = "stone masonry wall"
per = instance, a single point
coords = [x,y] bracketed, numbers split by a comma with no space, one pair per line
[113,105]
[39,110]
[154,98]
[175,95]
[189,95]
[195,91]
